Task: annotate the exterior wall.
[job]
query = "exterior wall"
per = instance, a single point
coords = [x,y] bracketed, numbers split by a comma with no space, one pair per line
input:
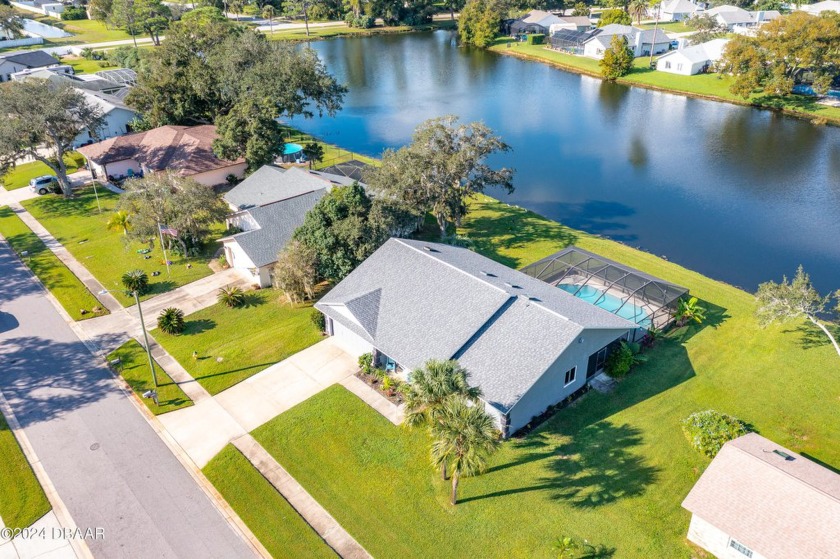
[237,259]
[593,49]
[349,341]
[644,49]
[116,124]
[715,541]
[118,168]
[219,176]
[550,389]
[679,65]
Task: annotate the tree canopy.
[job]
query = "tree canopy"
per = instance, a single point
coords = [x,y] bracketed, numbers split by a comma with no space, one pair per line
[615,15]
[140,16]
[618,59]
[10,22]
[480,21]
[797,47]
[444,165]
[41,113]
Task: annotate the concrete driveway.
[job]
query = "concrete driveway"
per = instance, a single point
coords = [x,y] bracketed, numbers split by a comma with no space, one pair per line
[204,429]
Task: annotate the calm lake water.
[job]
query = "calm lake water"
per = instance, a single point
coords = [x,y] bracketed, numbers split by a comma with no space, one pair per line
[738,194]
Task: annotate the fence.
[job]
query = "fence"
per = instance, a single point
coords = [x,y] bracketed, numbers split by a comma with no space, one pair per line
[10,43]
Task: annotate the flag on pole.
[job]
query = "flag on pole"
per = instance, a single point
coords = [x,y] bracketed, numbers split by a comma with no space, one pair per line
[167,230]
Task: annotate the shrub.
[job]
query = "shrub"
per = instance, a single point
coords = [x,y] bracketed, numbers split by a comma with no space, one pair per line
[535,39]
[223,261]
[71,13]
[231,296]
[709,430]
[618,59]
[171,320]
[136,280]
[621,359]
[366,363]
[318,320]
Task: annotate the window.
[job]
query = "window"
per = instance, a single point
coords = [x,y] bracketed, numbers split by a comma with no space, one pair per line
[744,550]
[570,376]
[601,358]
[667,64]
[679,67]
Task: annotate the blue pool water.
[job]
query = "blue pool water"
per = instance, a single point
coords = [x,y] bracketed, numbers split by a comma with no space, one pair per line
[608,302]
[291,149]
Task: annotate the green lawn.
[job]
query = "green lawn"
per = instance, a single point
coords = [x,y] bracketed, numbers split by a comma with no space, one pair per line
[612,468]
[344,31]
[23,500]
[333,154]
[56,277]
[234,344]
[20,176]
[134,368]
[275,523]
[84,66]
[706,85]
[83,30]
[78,225]
[671,26]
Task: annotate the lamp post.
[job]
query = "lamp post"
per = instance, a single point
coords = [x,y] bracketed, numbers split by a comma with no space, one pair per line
[145,338]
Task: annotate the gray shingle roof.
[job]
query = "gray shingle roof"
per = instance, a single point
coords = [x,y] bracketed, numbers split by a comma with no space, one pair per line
[270,184]
[277,222]
[32,59]
[416,301]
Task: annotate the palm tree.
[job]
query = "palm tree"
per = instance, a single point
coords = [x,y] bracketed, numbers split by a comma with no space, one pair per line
[638,8]
[268,13]
[120,220]
[464,437]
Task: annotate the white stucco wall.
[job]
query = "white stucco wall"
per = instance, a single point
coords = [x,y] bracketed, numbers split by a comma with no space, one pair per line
[349,341]
[550,388]
[593,49]
[115,124]
[716,541]
[219,176]
[679,65]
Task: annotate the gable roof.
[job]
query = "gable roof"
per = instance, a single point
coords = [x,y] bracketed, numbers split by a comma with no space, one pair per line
[580,21]
[826,6]
[31,59]
[416,301]
[680,7]
[605,34]
[541,18]
[271,184]
[777,507]
[107,103]
[708,51]
[276,224]
[186,150]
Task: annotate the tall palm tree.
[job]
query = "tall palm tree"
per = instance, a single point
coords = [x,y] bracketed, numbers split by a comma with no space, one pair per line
[120,220]
[268,13]
[638,8]
[464,437]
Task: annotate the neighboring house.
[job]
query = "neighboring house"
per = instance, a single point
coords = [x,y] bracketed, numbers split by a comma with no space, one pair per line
[116,117]
[640,41]
[186,150]
[270,184]
[568,40]
[678,10]
[537,21]
[13,63]
[571,23]
[526,343]
[739,20]
[819,7]
[692,60]
[265,231]
[759,500]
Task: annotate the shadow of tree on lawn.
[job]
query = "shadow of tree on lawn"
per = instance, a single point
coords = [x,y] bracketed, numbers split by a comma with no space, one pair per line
[810,336]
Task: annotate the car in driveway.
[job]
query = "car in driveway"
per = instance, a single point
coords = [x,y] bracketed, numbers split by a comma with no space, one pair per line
[45,184]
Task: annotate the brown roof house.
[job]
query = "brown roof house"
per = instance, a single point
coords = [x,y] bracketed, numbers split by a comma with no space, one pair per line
[760,500]
[185,150]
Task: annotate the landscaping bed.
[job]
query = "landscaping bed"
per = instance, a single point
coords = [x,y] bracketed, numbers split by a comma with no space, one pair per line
[23,501]
[73,295]
[267,514]
[20,176]
[78,225]
[232,344]
[613,468]
[377,382]
[134,368]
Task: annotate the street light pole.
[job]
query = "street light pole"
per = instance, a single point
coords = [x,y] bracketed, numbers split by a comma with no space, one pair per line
[146,338]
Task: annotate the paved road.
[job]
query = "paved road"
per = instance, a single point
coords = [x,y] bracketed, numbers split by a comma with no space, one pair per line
[106,462]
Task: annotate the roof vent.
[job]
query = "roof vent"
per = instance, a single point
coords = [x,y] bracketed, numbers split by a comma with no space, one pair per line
[488,274]
[532,298]
[512,285]
[784,455]
[427,248]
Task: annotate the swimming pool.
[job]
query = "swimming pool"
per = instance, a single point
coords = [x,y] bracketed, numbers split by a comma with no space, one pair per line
[292,149]
[608,302]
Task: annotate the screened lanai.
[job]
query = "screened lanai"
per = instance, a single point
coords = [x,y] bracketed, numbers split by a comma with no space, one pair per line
[639,297]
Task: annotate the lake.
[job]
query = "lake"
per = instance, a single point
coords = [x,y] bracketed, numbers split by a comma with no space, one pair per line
[738,194]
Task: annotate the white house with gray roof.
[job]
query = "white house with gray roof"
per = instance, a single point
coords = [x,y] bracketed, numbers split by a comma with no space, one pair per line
[692,60]
[640,41]
[526,343]
[270,184]
[760,500]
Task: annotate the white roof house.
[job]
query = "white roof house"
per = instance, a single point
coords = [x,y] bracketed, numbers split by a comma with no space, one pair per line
[537,21]
[760,500]
[641,41]
[740,20]
[678,10]
[117,117]
[819,7]
[692,60]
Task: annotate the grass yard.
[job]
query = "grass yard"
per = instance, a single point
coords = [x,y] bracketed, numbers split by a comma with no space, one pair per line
[234,344]
[83,66]
[83,30]
[134,368]
[20,176]
[611,468]
[343,30]
[333,154]
[23,500]
[705,85]
[56,277]
[78,225]
[670,26]
[273,520]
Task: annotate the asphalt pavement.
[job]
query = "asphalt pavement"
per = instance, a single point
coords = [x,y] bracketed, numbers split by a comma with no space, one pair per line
[108,465]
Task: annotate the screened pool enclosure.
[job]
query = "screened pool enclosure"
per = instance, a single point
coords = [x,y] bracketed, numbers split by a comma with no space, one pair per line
[619,289]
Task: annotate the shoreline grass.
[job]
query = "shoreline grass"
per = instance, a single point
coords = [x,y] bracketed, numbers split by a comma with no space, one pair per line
[57,278]
[267,514]
[24,501]
[705,86]
[134,368]
[342,30]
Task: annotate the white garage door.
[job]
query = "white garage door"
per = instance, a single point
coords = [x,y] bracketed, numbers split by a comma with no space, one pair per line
[349,341]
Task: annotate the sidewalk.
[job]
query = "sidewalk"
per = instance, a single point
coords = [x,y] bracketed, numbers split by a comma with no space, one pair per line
[46,546]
